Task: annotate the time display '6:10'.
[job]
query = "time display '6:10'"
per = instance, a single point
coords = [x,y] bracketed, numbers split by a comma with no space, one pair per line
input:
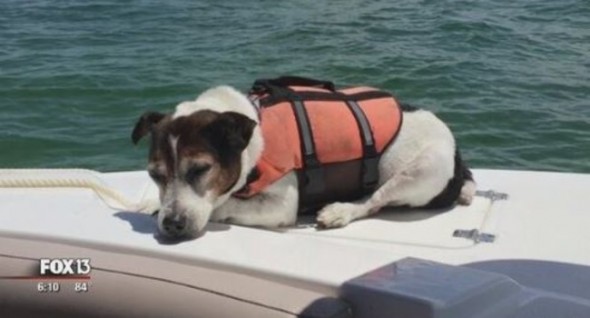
[48,287]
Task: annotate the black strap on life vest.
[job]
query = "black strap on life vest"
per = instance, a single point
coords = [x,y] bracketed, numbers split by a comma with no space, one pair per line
[370,155]
[314,181]
[278,90]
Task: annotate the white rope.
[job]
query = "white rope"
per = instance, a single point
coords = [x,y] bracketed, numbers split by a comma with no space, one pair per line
[71,178]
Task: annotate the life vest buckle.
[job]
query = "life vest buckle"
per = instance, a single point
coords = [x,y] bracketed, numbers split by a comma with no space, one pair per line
[314,180]
[370,173]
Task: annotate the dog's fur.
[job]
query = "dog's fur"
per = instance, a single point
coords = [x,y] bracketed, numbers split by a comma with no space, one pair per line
[203,152]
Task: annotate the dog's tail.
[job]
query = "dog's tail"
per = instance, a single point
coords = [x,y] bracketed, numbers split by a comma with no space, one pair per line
[469,187]
[460,189]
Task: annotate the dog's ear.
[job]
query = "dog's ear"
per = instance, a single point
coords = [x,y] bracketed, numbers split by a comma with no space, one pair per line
[230,132]
[145,124]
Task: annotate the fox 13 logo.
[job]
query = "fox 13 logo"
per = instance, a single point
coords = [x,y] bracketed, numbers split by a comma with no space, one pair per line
[64,266]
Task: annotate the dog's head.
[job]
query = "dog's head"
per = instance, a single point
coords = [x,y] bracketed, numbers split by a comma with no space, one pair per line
[195,160]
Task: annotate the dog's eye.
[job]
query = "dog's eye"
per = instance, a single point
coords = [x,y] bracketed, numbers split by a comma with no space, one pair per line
[196,171]
[157,176]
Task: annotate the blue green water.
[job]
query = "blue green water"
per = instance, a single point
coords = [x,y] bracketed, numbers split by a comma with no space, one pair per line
[512,79]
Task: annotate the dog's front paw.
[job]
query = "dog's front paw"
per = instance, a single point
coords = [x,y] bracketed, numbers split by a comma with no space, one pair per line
[336,215]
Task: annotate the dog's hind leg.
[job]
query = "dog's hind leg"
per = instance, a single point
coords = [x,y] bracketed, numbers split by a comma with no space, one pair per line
[413,186]
[339,214]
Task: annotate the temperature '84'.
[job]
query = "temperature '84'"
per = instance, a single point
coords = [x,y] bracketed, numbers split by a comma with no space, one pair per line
[81,287]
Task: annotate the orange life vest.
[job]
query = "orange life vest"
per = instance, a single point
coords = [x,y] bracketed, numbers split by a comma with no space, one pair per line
[330,137]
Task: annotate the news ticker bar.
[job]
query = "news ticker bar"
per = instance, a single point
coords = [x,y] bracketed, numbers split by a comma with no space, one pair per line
[46,277]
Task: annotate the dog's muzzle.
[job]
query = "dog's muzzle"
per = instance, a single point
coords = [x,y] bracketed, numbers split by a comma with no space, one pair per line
[175,225]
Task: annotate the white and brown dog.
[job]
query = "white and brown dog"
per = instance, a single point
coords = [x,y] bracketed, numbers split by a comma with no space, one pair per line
[203,152]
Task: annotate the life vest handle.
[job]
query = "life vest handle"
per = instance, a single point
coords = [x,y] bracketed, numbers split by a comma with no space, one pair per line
[266,85]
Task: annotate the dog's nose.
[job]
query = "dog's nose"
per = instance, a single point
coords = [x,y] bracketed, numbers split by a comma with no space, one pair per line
[174,225]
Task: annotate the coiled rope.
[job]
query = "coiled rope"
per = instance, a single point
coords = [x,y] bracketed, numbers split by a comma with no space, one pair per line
[72,178]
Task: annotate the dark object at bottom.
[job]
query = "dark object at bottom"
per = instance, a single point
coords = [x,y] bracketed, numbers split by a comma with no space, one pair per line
[424,289]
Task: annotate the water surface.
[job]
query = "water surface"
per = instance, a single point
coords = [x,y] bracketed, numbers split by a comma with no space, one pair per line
[511,79]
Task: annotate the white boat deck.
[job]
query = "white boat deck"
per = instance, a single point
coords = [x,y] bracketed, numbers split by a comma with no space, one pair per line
[531,258]
[546,217]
